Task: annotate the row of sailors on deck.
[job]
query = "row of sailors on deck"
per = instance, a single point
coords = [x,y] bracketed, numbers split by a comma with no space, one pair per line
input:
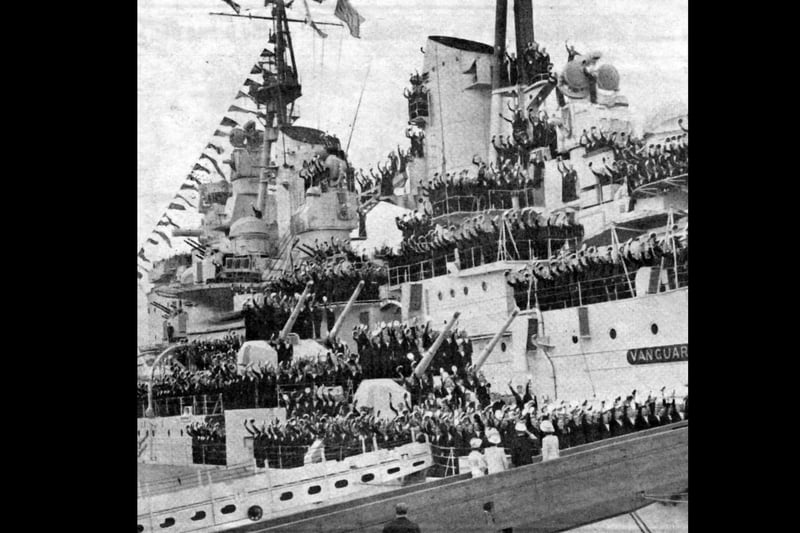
[559,426]
[593,274]
[527,227]
[594,262]
[391,175]
[415,223]
[487,185]
[528,133]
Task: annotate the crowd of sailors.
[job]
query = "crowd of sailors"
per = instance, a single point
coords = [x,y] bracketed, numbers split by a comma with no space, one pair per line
[209,368]
[492,188]
[453,407]
[415,223]
[334,269]
[392,350]
[603,273]
[528,235]
[533,65]
[458,417]
[392,174]
[527,134]
[208,441]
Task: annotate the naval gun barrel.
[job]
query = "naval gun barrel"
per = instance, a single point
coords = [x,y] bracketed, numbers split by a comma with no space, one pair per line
[338,325]
[422,366]
[295,312]
[484,355]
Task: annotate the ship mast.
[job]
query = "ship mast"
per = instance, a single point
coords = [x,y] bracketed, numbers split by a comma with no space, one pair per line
[279,91]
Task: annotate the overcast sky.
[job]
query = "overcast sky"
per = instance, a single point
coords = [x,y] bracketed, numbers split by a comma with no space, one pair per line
[190,66]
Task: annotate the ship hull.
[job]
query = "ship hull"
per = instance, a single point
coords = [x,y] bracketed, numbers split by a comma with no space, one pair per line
[587,484]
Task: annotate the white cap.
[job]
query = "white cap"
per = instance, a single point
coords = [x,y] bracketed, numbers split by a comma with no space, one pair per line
[475,443]
[520,426]
[546,426]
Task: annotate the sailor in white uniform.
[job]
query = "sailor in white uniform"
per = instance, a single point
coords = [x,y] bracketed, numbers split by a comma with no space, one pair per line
[549,442]
[477,463]
[494,454]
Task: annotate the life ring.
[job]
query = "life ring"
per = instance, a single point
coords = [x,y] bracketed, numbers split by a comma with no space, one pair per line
[255,513]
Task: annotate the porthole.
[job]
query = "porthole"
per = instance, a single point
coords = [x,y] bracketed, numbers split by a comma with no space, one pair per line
[452,293]
[502,347]
[181,433]
[228,509]
[140,528]
[199,515]
[418,463]
[255,513]
[366,478]
[393,470]
[169,522]
[466,291]
[342,483]
[574,339]
[654,328]
[484,286]
[168,433]
[286,496]
[612,333]
[440,295]
[314,489]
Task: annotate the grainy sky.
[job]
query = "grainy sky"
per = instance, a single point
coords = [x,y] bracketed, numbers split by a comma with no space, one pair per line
[190,66]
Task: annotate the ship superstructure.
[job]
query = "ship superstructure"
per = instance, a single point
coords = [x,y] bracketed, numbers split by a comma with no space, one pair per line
[473,109]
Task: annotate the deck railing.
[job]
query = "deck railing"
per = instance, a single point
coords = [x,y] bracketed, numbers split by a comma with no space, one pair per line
[606,289]
[489,199]
[527,250]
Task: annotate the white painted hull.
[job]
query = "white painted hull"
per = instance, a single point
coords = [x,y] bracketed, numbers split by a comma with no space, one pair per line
[279,492]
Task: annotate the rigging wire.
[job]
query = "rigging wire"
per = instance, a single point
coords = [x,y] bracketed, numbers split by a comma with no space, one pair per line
[358,106]
[439,98]
[321,78]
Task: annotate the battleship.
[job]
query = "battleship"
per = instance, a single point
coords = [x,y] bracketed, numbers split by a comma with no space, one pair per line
[569,273]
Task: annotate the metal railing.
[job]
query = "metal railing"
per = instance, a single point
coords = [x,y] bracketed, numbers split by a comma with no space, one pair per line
[247,395]
[277,457]
[205,404]
[489,199]
[578,294]
[526,250]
